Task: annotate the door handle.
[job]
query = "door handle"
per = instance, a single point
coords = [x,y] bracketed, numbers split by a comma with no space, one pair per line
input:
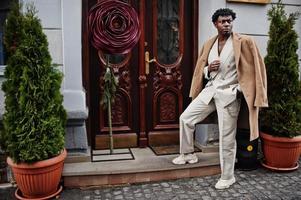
[148,61]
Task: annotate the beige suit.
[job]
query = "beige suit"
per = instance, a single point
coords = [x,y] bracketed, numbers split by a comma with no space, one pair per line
[222,84]
[251,76]
[219,94]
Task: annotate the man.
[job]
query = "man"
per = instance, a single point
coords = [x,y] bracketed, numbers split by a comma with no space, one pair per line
[234,69]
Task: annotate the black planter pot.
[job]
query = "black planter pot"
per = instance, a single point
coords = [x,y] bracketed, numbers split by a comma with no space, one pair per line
[246,153]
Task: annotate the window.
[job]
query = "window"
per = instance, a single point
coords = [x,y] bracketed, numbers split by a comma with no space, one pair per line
[4,8]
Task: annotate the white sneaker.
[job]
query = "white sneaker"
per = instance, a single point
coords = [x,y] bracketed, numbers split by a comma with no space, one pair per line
[183,159]
[223,184]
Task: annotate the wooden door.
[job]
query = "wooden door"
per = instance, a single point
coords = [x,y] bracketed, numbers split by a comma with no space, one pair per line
[169,39]
[150,99]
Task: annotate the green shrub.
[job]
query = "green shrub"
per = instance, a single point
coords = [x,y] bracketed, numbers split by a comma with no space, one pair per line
[34,118]
[282,118]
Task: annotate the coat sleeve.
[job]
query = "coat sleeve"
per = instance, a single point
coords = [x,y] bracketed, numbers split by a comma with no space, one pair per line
[195,78]
[261,99]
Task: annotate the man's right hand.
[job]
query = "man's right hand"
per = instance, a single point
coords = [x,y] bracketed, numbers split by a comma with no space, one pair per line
[214,66]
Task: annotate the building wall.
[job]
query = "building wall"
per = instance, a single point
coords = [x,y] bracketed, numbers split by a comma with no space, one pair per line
[61,20]
[251,20]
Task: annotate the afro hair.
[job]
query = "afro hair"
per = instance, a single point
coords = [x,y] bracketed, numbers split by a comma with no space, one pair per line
[223,12]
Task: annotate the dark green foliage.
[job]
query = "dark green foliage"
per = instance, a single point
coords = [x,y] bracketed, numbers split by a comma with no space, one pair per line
[34,118]
[283,117]
[2,139]
[14,26]
[108,97]
[110,87]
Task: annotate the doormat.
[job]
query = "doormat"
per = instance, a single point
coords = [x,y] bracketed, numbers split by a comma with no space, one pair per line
[169,150]
[118,155]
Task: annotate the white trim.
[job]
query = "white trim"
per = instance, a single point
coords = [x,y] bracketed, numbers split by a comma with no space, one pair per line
[63,46]
[2,68]
[72,46]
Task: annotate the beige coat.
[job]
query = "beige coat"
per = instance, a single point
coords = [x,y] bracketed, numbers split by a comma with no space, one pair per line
[251,76]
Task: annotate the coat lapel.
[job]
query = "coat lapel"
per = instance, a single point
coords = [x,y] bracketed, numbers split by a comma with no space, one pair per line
[208,47]
[213,52]
[236,47]
[197,79]
[227,51]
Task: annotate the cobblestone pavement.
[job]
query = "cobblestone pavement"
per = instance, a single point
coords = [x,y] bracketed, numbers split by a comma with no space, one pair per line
[256,184]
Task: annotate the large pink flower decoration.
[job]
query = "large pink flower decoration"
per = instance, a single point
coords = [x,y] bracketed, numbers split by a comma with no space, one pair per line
[114,27]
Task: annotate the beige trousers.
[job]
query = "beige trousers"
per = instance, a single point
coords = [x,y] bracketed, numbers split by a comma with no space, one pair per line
[227,122]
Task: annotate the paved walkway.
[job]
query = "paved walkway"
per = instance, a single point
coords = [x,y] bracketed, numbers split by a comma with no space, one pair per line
[257,184]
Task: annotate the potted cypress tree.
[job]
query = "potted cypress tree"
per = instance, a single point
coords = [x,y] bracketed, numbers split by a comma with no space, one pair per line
[34,118]
[281,122]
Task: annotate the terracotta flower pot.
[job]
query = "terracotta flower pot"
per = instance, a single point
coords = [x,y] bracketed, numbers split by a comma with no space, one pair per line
[40,179]
[281,153]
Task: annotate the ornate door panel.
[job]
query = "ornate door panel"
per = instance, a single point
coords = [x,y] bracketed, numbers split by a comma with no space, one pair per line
[125,112]
[170,43]
[151,95]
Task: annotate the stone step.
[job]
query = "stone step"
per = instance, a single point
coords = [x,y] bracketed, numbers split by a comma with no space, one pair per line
[145,167]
